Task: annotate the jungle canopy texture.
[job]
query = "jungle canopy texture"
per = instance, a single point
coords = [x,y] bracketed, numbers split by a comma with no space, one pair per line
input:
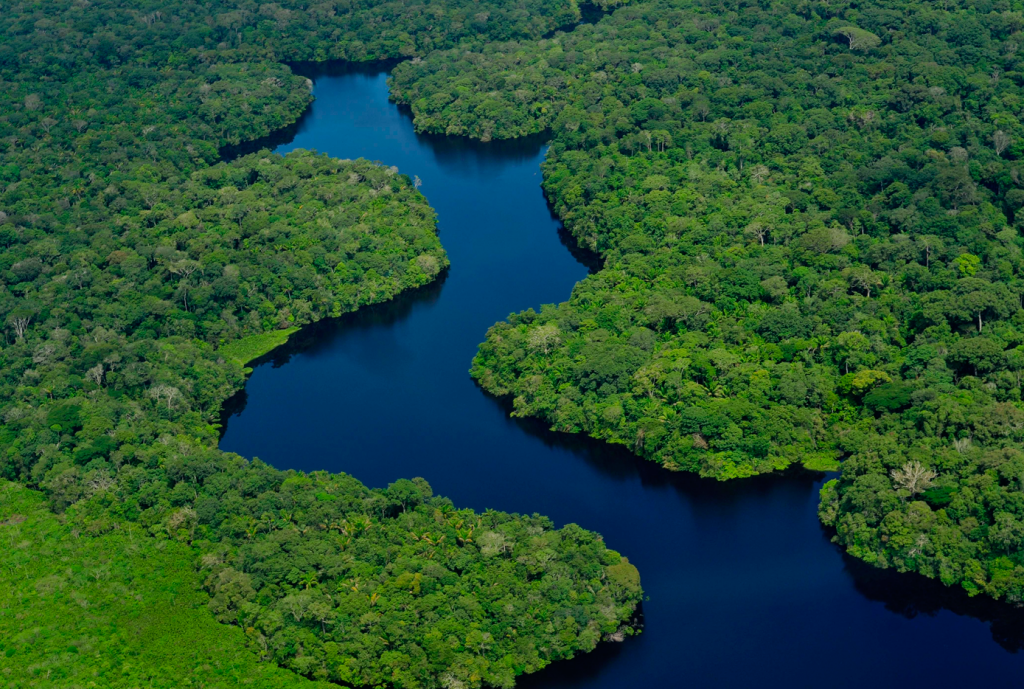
[809,216]
[139,273]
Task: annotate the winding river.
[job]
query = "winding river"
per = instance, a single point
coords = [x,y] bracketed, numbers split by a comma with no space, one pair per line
[744,586]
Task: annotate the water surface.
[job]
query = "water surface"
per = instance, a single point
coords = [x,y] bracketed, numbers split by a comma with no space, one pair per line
[744,587]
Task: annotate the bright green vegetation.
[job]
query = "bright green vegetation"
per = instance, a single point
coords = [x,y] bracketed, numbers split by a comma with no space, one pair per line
[325,576]
[252,347]
[118,610]
[139,274]
[809,215]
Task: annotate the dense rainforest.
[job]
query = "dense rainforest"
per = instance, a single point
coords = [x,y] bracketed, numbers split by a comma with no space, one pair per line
[139,274]
[810,219]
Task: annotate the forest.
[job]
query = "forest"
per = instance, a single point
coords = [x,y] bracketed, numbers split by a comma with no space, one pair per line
[809,215]
[141,271]
[809,218]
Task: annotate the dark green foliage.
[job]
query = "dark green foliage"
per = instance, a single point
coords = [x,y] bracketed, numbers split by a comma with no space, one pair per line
[66,416]
[122,329]
[370,587]
[138,273]
[939,497]
[891,397]
[817,212]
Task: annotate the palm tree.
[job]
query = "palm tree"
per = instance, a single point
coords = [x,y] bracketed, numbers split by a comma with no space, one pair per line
[309,579]
[820,343]
[267,521]
[252,527]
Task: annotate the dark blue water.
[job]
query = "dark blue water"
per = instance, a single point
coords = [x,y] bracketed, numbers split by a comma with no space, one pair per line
[745,587]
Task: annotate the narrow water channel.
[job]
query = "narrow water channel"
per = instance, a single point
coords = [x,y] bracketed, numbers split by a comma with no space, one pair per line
[744,587]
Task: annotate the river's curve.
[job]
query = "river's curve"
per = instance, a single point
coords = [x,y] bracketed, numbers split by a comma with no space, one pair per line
[744,586]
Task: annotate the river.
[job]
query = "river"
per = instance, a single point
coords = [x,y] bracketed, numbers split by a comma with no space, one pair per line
[744,585]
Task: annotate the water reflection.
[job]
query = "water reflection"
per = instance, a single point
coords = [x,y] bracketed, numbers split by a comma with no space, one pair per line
[322,336]
[912,595]
[467,158]
[745,586]
[459,157]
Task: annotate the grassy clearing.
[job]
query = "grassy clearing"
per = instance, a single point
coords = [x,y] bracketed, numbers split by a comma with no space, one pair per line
[254,346]
[821,461]
[117,610]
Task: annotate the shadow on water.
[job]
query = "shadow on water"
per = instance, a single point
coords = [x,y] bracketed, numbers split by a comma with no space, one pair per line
[584,669]
[322,335]
[451,152]
[446,147]
[912,595]
[744,585]
[591,259]
[616,462]
[904,594]
[908,595]
[280,137]
[312,71]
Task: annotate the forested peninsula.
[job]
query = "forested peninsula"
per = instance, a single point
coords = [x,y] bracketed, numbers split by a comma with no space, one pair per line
[809,215]
[139,274]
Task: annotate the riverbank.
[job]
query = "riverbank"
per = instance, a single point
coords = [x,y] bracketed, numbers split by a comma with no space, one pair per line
[715,558]
[328,578]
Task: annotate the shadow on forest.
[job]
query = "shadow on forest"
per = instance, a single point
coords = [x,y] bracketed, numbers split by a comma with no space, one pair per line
[589,14]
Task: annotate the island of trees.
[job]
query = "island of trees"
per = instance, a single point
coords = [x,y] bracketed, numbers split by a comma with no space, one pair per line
[809,215]
[139,274]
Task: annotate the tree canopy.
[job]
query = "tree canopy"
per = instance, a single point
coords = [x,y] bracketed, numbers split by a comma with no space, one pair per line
[140,271]
[809,218]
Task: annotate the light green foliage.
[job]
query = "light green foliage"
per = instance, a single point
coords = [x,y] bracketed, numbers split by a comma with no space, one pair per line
[858,39]
[119,610]
[252,347]
[829,503]
[810,221]
[824,461]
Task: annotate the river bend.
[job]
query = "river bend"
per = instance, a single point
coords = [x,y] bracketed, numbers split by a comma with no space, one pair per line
[744,586]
